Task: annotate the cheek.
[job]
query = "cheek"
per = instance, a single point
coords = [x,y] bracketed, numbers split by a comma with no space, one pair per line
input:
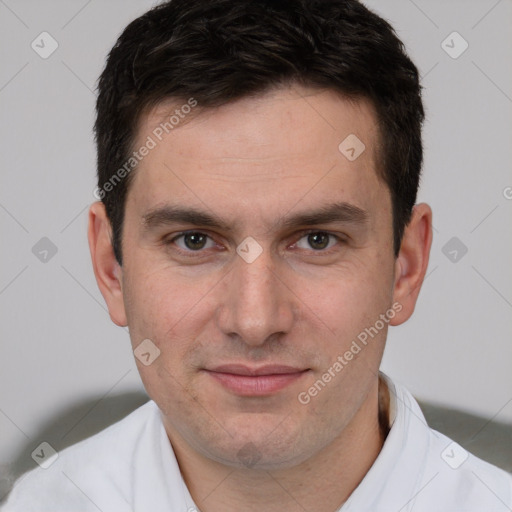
[347,300]
[166,307]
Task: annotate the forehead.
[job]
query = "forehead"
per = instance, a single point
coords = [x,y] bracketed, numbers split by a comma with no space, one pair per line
[270,150]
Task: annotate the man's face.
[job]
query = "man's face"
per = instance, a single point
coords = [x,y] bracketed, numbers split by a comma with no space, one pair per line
[240,338]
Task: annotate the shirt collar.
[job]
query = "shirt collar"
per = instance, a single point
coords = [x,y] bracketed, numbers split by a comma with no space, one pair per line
[399,467]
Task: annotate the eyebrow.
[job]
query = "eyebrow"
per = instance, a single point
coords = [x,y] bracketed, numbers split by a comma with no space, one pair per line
[335,212]
[169,214]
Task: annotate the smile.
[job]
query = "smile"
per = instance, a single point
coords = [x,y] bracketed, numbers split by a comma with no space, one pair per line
[246,381]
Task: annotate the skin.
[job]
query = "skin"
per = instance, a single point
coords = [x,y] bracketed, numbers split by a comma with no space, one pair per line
[255,163]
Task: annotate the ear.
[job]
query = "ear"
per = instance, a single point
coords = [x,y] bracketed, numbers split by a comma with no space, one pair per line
[412,261]
[107,270]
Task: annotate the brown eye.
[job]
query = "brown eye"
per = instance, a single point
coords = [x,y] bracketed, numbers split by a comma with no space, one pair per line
[317,240]
[193,241]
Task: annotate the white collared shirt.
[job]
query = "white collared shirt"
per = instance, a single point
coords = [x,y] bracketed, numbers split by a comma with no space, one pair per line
[131,467]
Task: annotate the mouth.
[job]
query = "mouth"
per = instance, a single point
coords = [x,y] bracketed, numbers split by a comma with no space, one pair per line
[256,381]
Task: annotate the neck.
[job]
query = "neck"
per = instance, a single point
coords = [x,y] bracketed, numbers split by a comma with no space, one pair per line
[323,482]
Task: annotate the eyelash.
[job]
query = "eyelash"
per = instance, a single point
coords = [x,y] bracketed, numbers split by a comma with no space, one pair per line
[191,253]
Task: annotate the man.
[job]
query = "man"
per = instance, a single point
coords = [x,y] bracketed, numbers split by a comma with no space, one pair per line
[257,232]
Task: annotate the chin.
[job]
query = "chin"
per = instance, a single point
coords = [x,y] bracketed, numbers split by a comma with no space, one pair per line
[262,447]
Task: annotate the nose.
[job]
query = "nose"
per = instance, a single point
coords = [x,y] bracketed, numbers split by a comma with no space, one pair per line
[256,303]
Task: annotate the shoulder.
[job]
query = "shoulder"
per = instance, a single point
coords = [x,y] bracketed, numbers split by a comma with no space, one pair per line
[429,471]
[86,471]
[467,482]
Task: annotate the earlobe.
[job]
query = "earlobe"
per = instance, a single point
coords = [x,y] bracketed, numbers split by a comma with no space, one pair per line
[412,261]
[107,270]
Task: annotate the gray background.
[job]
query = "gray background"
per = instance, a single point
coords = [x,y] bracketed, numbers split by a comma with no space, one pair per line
[62,360]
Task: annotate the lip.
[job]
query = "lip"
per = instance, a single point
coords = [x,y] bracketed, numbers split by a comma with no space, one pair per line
[255,381]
